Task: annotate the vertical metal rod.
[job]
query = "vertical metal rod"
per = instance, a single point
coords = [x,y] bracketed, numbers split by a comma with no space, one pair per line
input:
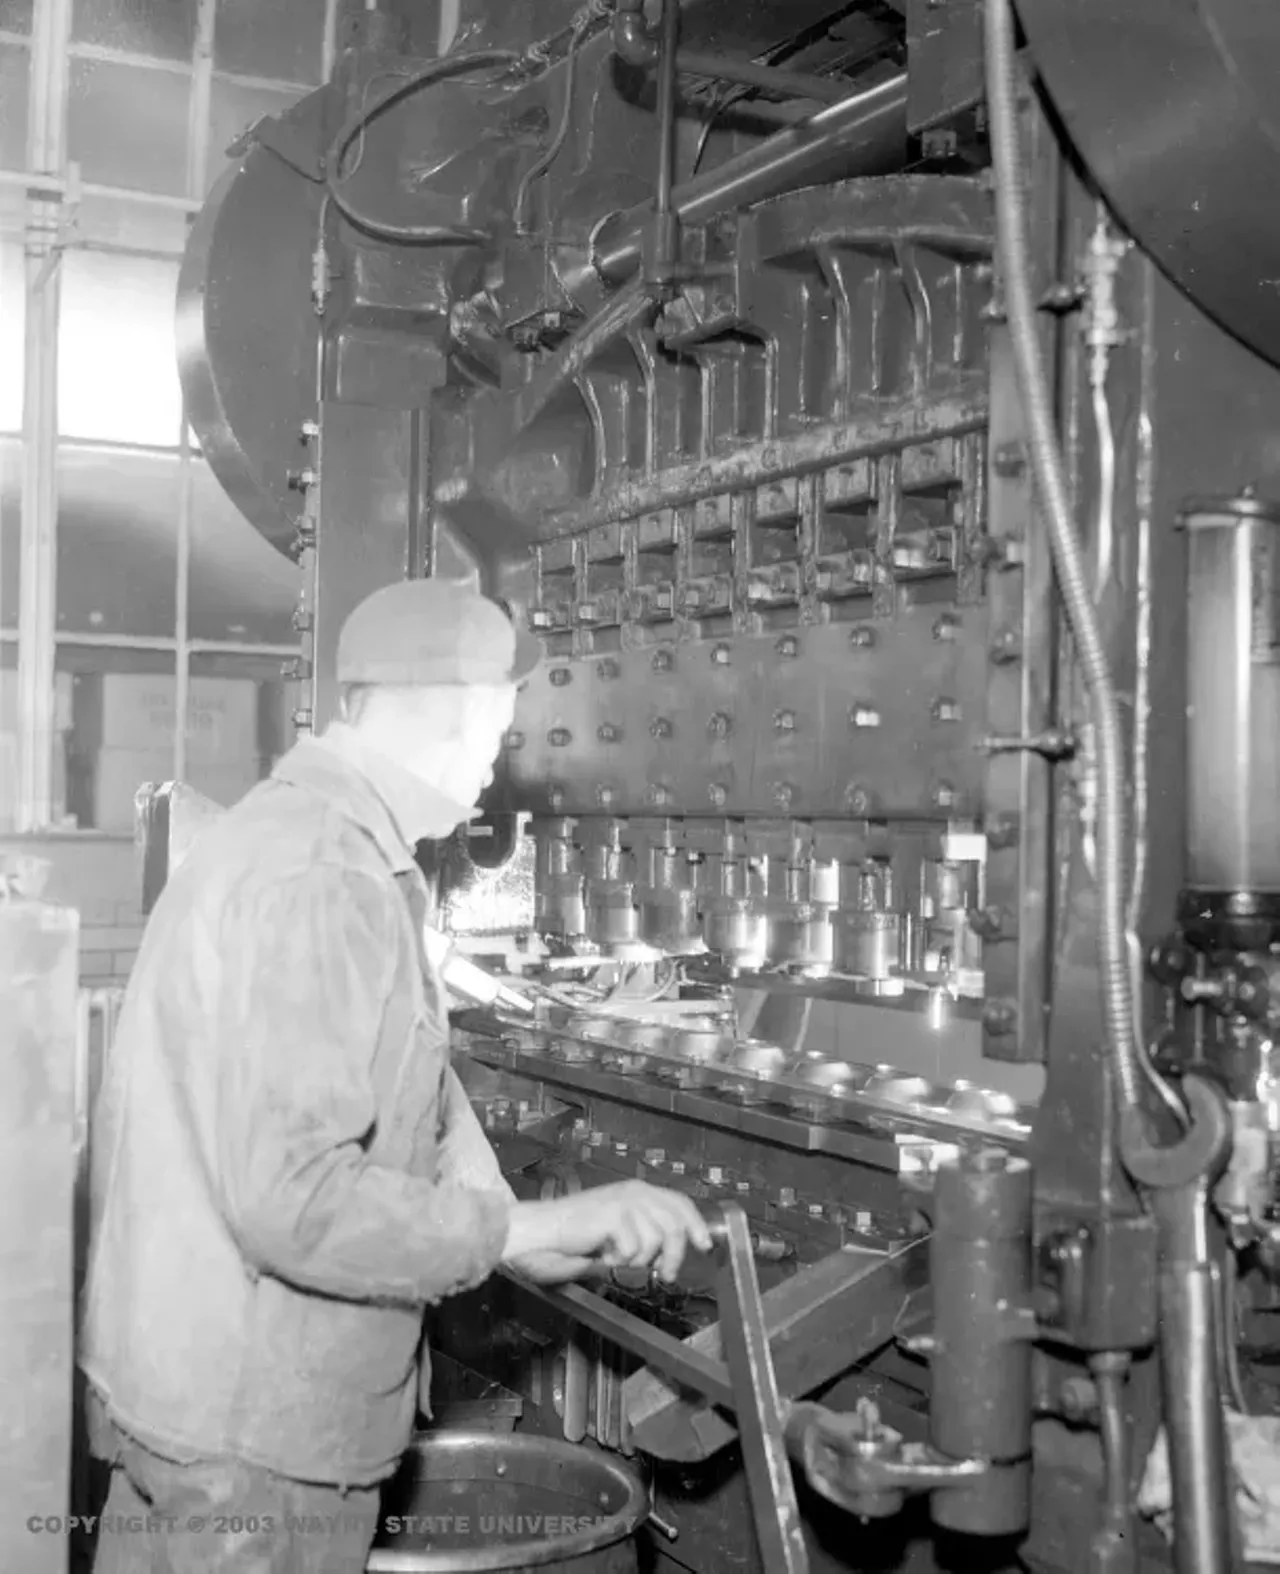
[329,49]
[745,1340]
[666,237]
[198,123]
[37,567]
[1204,1520]
[182,606]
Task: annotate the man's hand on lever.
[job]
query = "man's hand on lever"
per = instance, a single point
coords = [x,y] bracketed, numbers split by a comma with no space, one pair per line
[626,1225]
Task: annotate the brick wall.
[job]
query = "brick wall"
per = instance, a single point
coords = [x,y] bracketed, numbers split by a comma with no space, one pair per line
[98,875]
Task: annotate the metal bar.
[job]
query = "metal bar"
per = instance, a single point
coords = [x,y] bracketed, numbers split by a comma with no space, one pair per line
[769,79]
[182,607]
[759,1408]
[666,241]
[329,47]
[1205,1528]
[197,647]
[37,568]
[45,184]
[106,55]
[655,1348]
[197,168]
[821,1321]
[863,123]
[881,427]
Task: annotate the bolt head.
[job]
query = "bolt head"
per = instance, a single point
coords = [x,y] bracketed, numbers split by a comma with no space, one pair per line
[784,795]
[605,796]
[864,716]
[944,796]
[784,721]
[663,661]
[720,655]
[858,800]
[717,795]
[1002,831]
[862,637]
[606,669]
[999,1017]
[788,647]
[947,629]
[559,676]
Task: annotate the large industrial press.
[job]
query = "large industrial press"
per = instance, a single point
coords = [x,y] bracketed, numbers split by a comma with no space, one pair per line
[871,404]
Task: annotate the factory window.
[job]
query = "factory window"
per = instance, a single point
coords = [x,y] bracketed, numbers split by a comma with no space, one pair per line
[118,516]
[117,361]
[233,108]
[162,28]
[15,15]
[116,548]
[14,77]
[127,125]
[125,494]
[242,590]
[283,40]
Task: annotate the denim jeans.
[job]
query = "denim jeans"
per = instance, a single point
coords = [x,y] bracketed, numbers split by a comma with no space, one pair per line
[227,1517]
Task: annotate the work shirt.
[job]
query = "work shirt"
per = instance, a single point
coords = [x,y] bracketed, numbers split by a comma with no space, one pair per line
[286,1170]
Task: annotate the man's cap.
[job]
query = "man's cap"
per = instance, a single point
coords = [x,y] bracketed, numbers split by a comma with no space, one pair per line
[433,631]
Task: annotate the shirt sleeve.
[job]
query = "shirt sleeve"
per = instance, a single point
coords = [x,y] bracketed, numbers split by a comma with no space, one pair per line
[468,1158]
[300,1016]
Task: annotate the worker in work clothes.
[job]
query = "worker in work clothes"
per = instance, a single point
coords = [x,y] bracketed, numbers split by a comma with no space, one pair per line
[286,1169]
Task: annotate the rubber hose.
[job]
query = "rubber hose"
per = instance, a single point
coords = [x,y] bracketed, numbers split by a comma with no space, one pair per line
[1068,553]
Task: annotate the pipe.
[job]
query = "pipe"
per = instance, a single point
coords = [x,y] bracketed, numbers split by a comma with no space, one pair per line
[1068,554]
[1200,1470]
[1114,1550]
[633,43]
[863,133]
[666,227]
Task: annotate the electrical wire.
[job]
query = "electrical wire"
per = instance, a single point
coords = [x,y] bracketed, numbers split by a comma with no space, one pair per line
[580,26]
[1132,1071]
[445,69]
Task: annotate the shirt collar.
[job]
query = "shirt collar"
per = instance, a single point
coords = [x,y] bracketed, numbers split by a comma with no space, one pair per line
[387,801]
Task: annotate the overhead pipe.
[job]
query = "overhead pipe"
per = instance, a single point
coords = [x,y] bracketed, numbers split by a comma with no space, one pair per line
[634,43]
[865,133]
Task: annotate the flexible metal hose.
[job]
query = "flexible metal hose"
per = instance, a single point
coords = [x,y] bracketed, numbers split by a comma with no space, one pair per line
[1068,553]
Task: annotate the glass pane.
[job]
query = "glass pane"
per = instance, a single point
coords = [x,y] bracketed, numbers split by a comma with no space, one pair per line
[13,313]
[117,528]
[242,590]
[14,76]
[15,15]
[121,732]
[117,352]
[283,40]
[233,109]
[127,125]
[117,554]
[165,29]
